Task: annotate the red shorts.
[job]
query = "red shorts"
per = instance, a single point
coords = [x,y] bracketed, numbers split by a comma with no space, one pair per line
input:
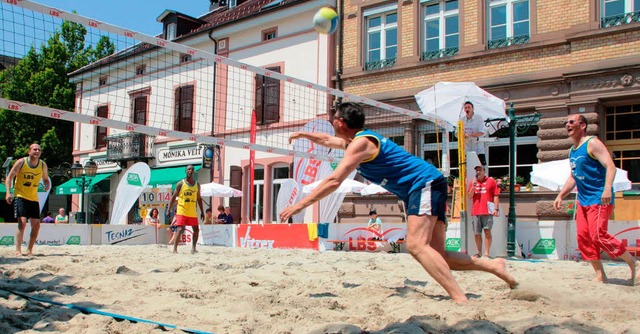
[186,221]
[592,223]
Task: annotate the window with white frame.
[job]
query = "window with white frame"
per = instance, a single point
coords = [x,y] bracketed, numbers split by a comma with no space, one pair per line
[617,12]
[171,31]
[509,22]
[440,28]
[381,45]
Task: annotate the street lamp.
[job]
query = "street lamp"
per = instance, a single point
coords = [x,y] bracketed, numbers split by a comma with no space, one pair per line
[81,174]
[517,124]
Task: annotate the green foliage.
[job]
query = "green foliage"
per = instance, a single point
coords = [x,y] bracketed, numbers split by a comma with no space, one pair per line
[41,77]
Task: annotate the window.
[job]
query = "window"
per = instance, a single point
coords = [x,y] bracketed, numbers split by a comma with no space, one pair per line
[184,109]
[257,212]
[508,23]
[170,34]
[185,58]
[269,34]
[440,29]
[140,110]
[102,81]
[101,131]
[140,70]
[268,98]
[280,173]
[382,37]
[617,12]
[622,132]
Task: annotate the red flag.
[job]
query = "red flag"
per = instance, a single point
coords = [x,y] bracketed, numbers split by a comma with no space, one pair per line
[252,165]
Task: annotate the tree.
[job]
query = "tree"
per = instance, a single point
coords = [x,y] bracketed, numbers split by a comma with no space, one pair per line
[40,78]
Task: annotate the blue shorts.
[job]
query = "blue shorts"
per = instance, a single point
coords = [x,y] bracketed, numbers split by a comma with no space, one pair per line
[430,200]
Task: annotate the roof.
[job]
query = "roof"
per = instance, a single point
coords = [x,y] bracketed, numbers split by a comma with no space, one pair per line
[216,18]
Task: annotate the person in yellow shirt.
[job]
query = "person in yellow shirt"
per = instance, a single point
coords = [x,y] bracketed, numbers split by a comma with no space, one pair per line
[27,173]
[186,195]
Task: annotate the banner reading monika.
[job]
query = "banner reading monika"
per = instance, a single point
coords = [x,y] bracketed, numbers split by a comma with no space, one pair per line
[131,185]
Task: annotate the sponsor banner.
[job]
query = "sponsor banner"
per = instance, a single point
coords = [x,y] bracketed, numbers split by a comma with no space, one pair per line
[49,234]
[359,238]
[545,239]
[131,186]
[218,235]
[275,236]
[287,195]
[307,171]
[128,235]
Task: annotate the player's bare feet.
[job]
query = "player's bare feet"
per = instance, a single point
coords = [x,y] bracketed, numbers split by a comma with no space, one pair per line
[500,270]
[193,251]
[600,279]
[17,253]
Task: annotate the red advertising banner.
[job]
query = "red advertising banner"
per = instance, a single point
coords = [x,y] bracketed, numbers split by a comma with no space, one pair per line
[277,236]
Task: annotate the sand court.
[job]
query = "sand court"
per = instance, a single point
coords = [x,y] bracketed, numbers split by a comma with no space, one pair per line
[235,290]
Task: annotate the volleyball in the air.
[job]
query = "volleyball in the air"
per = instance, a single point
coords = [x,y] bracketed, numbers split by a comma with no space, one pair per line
[325,21]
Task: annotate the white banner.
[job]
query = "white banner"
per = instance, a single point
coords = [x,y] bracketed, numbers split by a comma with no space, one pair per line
[50,234]
[219,235]
[128,235]
[307,171]
[287,195]
[131,185]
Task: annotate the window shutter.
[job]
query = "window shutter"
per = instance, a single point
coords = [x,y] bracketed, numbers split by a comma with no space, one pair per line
[259,99]
[186,121]
[176,123]
[235,203]
[272,98]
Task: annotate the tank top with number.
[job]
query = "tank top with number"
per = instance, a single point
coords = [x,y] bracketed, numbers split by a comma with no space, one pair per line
[27,181]
[187,199]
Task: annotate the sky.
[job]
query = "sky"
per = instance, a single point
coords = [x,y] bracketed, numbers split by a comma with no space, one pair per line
[136,15]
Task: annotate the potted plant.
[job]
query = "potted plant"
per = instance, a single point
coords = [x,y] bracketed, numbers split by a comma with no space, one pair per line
[529,186]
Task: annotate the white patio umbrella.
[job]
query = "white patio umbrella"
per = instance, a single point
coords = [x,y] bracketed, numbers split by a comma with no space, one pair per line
[445,100]
[347,186]
[218,190]
[373,189]
[553,175]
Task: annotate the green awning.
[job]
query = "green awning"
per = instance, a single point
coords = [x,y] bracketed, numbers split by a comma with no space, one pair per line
[3,189]
[71,187]
[162,177]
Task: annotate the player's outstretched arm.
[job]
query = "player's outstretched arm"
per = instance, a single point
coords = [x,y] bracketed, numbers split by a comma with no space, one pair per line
[320,139]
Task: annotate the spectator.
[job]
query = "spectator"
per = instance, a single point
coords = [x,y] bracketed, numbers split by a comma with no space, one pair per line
[222,217]
[48,219]
[153,218]
[227,212]
[485,206]
[62,217]
[473,131]
[375,225]
[208,217]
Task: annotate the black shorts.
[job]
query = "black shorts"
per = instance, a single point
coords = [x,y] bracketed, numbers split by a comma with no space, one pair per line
[25,208]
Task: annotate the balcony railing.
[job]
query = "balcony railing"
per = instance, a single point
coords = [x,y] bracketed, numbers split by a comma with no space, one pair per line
[617,20]
[501,43]
[129,146]
[437,54]
[374,65]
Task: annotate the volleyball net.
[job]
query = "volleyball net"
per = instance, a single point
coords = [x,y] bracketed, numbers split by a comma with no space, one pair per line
[125,81]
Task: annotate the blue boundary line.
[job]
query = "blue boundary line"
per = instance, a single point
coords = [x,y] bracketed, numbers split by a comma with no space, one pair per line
[117,317]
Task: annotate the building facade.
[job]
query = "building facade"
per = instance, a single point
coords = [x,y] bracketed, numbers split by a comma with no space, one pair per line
[553,57]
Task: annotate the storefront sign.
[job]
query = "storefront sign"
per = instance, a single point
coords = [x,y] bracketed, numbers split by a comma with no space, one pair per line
[183,154]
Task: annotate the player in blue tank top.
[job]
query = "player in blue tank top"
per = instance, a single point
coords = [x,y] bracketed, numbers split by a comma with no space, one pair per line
[593,171]
[419,184]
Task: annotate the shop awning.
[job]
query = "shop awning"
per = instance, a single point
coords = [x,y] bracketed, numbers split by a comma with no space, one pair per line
[168,177]
[71,187]
[3,189]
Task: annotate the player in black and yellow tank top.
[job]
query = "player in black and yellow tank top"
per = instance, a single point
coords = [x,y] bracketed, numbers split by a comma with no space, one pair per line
[27,173]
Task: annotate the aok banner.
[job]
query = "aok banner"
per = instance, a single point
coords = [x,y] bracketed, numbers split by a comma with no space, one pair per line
[49,234]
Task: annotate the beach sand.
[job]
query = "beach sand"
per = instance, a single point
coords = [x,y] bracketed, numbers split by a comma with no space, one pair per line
[233,290]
